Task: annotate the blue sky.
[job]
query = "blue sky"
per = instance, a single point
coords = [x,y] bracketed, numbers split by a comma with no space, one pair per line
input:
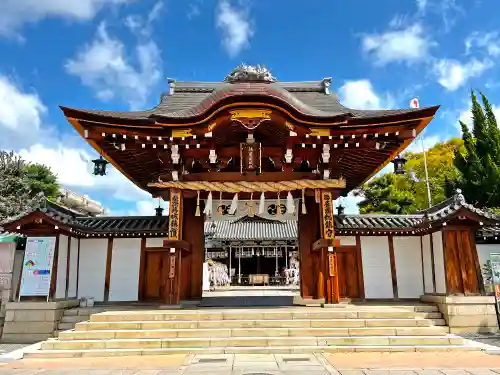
[117,54]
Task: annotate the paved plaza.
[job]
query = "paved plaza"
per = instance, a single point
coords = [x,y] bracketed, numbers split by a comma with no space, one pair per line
[262,364]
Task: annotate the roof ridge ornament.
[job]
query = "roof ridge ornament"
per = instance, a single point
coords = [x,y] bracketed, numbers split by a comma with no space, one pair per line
[459,197]
[250,73]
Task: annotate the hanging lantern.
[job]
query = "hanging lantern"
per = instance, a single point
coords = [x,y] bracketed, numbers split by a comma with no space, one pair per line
[159,211]
[100,166]
[340,209]
[399,165]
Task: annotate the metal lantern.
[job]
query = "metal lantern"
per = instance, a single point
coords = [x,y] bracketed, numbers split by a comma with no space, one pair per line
[100,166]
[340,209]
[159,211]
[399,165]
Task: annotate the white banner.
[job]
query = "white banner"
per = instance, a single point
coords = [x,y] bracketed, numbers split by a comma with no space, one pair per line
[37,266]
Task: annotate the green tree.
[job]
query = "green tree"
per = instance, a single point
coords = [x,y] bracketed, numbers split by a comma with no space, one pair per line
[23,186]
[408,193]
[42,180]
[479,160]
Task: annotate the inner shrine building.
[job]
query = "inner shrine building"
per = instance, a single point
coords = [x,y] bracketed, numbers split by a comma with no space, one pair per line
[238,147]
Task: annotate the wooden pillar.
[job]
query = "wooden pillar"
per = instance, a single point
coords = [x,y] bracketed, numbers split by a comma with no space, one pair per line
[109,260]
[53,272]
[392,261]
[462,269]
[172,264]
[309,231]
[193,232]
[329,263]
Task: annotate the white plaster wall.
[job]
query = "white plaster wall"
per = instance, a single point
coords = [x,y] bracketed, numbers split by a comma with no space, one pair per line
[62,266]
[408,260]
[155,242]
[437,238]
[73,267]
[92,272]
[124,280]
[376,267]
[346,241]
[426,249]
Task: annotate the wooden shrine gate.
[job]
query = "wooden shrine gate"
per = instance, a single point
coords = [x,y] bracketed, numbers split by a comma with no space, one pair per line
[175,272]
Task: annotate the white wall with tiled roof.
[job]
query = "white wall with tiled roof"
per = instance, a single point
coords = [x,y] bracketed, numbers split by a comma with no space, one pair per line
[427,260]
[437,240]
[409,273]
[92,272]
[124,276]
[62,262]
[376,267]
[73,267]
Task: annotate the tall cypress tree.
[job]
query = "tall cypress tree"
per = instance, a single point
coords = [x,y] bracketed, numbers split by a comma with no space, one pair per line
[479,164]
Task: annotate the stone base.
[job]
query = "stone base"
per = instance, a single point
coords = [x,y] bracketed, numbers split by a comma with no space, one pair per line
[29,322]
[299,301]
[466,314]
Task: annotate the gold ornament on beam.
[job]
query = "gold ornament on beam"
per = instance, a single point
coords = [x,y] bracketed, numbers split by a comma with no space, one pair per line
[198,213]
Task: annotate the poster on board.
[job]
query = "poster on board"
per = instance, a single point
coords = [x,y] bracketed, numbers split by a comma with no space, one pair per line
[37,266]
[495,274]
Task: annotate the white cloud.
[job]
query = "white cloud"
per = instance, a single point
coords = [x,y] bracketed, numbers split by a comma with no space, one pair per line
[488,42]
[15,13]
[147,208]
[350,204]
[22,121]
[398,44]
[452,74]
[448,10]
[21,115]
[236,27]
[360,94]
[105,66]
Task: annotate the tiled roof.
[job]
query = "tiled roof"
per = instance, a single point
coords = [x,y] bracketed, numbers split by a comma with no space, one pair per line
[252,229]
[128,224]
[194,98]
[258,228]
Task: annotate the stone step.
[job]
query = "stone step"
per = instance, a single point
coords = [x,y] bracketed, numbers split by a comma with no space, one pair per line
[247,350]
[116,316]
[251,332]
[251,342]
[73,319]
[65,326]
[294,323]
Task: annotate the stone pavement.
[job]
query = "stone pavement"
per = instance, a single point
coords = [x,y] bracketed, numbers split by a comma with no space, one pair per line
[445,363]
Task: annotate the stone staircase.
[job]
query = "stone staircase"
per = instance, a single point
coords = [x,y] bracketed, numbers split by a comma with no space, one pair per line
[279,330]
[76,315]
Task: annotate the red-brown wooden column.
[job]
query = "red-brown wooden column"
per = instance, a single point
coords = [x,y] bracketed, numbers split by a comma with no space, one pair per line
[326,246]
[193,233]
[309,231]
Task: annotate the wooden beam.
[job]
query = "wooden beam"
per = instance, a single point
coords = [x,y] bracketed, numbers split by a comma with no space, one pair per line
[359,259]
[53,272]
[142,270]
[109,260]
[68,266]
[392,259]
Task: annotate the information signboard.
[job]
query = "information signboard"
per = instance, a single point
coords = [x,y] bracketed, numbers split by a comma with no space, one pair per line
[37,266]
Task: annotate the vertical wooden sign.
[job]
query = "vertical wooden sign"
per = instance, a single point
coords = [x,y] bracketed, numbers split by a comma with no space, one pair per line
[175,217]
[327,217]
[331,265]
[171,272]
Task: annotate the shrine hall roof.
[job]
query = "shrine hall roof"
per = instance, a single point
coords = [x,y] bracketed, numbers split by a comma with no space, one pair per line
[190,99]
[252,228]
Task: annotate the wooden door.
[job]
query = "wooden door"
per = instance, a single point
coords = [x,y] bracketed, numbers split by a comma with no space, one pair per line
[154,280]
[348,268]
